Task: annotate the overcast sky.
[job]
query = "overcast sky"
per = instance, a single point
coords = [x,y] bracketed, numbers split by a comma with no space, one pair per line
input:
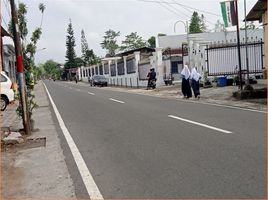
[97,16]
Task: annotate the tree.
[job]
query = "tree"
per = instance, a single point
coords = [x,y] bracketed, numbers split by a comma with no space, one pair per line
[132,41]
[70,44]
[52,69]
[79,61]
[196,24]
[151,42]
[28,52]
[88,55]
[219,27]
[28,48]
[84,48]
[250,26]
[42,8]
[203,25]
[110,43]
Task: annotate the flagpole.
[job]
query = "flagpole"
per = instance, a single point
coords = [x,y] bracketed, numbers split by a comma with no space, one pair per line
[238,47]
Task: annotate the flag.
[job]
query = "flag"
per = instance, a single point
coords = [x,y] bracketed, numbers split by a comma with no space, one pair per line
[229,14]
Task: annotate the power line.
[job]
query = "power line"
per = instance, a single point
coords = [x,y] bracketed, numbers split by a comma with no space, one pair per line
[163,5]
[185,6]
[174,8]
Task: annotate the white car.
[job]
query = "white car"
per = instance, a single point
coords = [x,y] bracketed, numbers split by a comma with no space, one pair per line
[7,93]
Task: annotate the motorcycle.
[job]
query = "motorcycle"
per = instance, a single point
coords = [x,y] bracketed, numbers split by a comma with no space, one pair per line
[152,84]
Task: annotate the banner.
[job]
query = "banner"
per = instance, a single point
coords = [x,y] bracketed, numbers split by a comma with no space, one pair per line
[229,14]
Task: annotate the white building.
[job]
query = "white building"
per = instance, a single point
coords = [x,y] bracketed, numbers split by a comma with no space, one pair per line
[198,43]
[128,69]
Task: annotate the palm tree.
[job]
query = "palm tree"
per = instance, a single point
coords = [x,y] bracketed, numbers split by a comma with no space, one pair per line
[42,8]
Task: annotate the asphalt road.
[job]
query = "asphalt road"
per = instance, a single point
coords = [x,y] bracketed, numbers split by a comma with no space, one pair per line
[138,146]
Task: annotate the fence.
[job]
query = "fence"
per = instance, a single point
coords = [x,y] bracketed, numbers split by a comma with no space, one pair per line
[223,60]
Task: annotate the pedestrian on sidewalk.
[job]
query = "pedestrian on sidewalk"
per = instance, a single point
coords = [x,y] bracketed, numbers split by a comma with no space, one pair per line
[185,85]
[195,77]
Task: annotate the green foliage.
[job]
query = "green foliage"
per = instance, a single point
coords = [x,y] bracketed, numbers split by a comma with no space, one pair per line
[70,44]
[88,56]
[250,26]
[132,41]
[110,43]
[31,105]
[28,51]
[52,69]
[151,42]
[197,24]
[22,21]
[203,25]
[79,61]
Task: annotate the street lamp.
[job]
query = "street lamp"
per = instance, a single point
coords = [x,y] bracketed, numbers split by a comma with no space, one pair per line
[41,49]
[187,32]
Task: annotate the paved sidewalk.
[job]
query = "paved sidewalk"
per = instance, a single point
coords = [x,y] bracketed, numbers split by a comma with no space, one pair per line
[215,95]
[36,171]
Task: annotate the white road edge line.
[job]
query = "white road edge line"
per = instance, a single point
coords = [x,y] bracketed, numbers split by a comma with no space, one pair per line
[91,93]
[199,124]
[116,100]
[92,188]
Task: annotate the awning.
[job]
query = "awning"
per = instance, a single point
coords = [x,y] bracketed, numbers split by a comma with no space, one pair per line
[257,11]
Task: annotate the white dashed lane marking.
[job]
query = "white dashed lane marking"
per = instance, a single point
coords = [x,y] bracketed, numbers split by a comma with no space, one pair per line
[200,124]
[115,100]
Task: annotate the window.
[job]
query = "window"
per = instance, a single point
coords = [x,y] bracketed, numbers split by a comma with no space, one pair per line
[3,79]
[106,69]
[101,70]
[113,72]
[130,66]
[120,68]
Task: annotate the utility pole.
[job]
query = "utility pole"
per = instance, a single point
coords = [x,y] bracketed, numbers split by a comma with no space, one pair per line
[238,47]
[20,67]
[246,40]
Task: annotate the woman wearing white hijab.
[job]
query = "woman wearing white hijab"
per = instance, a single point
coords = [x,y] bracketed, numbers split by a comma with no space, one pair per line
[185,85]
[195,76]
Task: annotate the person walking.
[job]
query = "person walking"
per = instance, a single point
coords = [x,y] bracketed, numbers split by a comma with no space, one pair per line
[195,77]
[185,85]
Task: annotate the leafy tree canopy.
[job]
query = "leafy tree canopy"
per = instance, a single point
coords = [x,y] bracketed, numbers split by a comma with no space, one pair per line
[151,42]
[197,24]
[133,41]
[110,43]
[88,56]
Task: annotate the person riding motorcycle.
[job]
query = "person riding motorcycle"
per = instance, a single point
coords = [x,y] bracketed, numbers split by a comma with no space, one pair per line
[151,79]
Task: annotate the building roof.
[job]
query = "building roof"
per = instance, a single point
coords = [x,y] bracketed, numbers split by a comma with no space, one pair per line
[257,11]
[143,49]
[4,32]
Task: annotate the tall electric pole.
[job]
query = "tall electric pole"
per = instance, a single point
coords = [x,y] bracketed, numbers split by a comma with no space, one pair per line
[20,67]
[246,40]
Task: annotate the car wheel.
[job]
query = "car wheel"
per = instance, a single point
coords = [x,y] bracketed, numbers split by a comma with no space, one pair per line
[4,103]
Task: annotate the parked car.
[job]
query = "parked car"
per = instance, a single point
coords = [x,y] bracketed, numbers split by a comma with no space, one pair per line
[7,93]
[98,80]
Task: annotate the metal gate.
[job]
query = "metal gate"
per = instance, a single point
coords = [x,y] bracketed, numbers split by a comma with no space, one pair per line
[223,60]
